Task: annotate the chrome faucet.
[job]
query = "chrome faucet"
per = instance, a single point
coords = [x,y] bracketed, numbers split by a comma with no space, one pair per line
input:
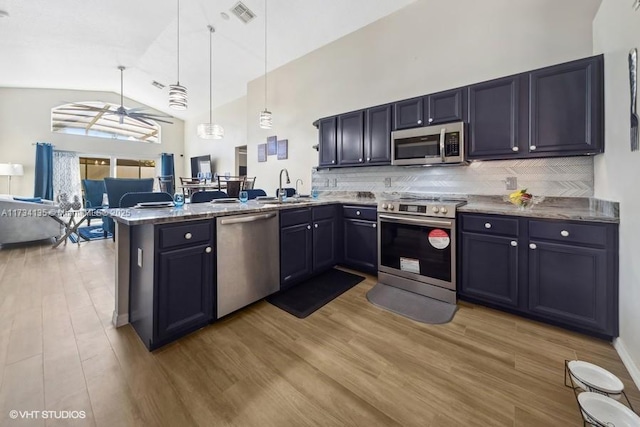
[280,189]
[302,183]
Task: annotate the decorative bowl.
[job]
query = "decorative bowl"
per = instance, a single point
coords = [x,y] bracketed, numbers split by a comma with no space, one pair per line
[524,202]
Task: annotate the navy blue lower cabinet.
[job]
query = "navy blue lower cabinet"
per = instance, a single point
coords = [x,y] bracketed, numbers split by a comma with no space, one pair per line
[325,236]
[560,272]
[568,284]
[295,253]
[490,268]
[185,291]
[361,245]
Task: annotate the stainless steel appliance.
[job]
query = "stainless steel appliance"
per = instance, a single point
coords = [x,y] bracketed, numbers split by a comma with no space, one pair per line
[417,246]
[248,267]
[430,145]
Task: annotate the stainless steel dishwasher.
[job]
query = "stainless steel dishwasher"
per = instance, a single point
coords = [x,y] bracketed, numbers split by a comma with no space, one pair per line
[248,259]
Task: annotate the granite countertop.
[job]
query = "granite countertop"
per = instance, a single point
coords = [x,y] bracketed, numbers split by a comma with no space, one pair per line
[564,208]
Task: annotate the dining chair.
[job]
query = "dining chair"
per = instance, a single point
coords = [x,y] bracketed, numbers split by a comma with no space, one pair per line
[131,199]
[165,183]
[118,187]
[256,193]
[188,192]
[207,196]
[93,193]
[249,183]
[234,184]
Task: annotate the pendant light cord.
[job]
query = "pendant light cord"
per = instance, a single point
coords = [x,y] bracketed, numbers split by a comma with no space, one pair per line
[121,86]
[178,42]
[211,30]
[265,55]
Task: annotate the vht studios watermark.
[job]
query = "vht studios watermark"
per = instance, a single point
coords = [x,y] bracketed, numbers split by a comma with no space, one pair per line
[47,415]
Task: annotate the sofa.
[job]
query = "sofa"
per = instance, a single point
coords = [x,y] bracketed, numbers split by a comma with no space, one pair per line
[26,221]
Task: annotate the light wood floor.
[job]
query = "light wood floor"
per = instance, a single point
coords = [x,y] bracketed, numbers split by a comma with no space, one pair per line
[349,363]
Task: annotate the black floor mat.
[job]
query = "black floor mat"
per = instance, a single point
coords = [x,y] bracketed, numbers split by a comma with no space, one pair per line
[308,296]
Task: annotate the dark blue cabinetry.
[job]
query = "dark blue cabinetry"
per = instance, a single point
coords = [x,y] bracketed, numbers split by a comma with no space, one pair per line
[308,243]
[360,238]
[561,272]
[327,147]
[377,135]
[172,280]
[351,138]
[441,107]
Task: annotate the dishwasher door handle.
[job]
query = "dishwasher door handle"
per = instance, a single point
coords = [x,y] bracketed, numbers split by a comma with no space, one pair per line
[251,218]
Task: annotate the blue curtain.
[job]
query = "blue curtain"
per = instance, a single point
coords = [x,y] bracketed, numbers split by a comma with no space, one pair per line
[167,169]
[44,171]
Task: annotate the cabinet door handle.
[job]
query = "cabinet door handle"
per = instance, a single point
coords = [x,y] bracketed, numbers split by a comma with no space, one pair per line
[368,159]
[564,233]
[374,225]
[532,148]
[487,225]
[514,148]
[315,225]
[208,249]
[360,160]
[188,236]
[430,120]
[358,213]
[308,227]
[419,122]
[532,246]
[333,161]
[514,243]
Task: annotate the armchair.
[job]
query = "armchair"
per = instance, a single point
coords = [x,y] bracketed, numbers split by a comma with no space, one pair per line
[93,192]
[118,187]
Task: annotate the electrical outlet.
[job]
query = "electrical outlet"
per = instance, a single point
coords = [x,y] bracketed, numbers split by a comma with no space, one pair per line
[512,183]
[335,182]
[387,182]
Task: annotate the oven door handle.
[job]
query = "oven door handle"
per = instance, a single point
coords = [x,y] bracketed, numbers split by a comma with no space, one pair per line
[416,221]
[443,132]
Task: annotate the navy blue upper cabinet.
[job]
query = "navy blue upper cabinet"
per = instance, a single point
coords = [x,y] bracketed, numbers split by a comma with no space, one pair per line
[408,114]
[351,138]
[494,118]
[327,147]
[377,135]
[566,104]
[444,107]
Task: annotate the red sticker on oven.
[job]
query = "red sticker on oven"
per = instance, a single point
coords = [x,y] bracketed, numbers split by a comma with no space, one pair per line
[439,239]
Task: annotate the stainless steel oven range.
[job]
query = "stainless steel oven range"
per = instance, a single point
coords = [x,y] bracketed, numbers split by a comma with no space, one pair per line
[417,246]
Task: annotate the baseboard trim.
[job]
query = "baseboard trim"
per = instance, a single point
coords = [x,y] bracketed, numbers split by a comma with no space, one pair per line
[119,320]
[631,366]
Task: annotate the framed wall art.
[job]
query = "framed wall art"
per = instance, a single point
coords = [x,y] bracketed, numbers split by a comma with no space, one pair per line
[272,147]
[262,152]
[283,149]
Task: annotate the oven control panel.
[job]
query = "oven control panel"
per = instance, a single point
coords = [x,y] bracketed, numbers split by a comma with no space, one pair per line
[432,208]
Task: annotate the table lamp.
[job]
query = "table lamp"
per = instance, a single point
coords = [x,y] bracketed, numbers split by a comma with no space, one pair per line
[9,170]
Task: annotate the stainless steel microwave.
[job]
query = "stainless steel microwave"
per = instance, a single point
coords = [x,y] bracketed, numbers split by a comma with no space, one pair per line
[430,145]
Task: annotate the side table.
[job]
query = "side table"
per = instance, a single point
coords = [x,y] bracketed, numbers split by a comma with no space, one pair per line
[70,220]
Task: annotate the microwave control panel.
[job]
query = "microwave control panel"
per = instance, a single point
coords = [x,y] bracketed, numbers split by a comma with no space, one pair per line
[452,144]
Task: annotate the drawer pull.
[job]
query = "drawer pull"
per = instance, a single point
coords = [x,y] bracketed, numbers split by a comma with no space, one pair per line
[419,122]
[514,243]
[532,246]
[487,225]
[514,148]
[532,148]
[315,225]
[208,250]
[358,213]
[430,120]
[374,225]
[308,227]
[188,236]
[564,233]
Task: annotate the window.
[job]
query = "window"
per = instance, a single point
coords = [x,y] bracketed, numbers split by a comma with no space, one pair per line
[101,120]
[94,167]
[135,168]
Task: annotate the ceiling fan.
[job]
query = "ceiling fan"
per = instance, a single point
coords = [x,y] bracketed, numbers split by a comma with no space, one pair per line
[122,112]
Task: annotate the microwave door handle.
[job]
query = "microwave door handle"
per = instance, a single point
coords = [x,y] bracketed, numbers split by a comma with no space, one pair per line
[442,135]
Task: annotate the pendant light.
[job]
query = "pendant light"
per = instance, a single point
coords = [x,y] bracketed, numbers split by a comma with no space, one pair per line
[265,116]
[210,130]
[178,93]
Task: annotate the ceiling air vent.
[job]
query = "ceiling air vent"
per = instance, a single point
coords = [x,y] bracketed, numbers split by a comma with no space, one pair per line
[243,12]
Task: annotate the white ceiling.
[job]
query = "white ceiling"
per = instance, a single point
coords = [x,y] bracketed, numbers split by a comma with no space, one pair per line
[70,44]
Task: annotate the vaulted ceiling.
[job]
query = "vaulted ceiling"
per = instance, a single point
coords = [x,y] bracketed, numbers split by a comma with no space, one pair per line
[70,44]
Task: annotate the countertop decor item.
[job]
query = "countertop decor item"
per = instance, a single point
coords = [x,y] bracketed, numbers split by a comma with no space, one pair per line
[522,199]
[633,83]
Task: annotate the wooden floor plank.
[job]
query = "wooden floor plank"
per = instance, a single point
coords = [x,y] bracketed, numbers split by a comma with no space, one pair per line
[348,364]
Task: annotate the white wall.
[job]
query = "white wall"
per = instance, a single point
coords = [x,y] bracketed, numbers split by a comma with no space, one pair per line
[616,29]
[232,117]
[430,45]
[25,118]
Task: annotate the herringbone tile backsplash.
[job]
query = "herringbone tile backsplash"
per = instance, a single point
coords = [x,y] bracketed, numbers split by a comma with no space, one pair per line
[560,176]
